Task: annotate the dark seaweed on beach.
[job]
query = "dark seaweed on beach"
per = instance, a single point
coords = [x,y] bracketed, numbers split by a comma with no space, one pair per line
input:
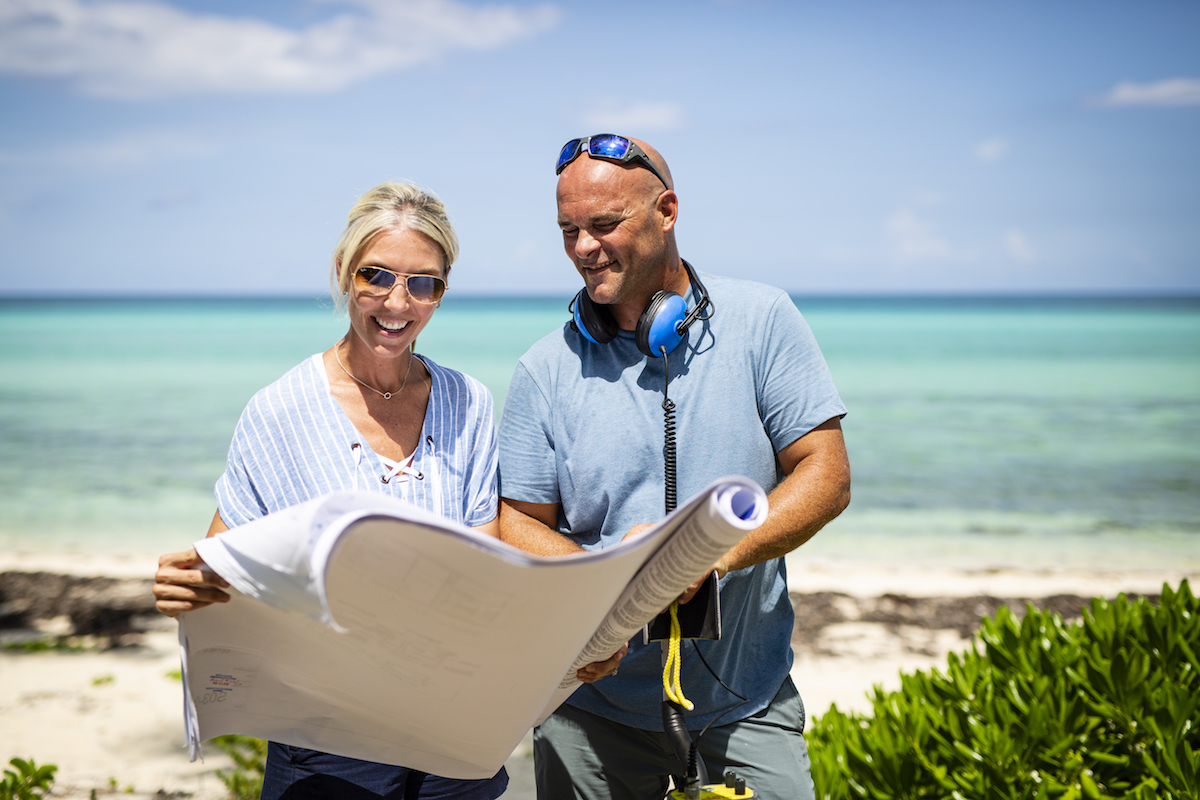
[817,610]
[44,605]
[115,611]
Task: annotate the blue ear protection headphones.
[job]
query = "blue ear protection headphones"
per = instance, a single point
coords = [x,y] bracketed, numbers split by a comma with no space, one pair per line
[662,325]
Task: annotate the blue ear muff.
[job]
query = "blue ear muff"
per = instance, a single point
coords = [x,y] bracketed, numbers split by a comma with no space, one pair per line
[594,322]
[662,325]
[658,327]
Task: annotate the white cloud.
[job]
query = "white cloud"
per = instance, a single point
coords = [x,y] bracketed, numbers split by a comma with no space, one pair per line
[151,49]
[915,239]
[991,149]
[1175,92]
[1018,246]
[632,119]
[114,153]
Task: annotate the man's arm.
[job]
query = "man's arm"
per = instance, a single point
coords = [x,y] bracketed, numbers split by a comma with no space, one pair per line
[815,489]
[530,527]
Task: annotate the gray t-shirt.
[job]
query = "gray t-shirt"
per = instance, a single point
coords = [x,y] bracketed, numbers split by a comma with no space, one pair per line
[583,427]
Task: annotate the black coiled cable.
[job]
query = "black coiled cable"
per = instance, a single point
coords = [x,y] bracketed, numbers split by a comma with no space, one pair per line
[673,724]
[670,491]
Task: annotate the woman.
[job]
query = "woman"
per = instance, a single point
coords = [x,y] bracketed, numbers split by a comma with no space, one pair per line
[368,413]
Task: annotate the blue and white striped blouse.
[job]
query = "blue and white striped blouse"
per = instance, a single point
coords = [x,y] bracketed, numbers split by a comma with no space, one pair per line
[294,443]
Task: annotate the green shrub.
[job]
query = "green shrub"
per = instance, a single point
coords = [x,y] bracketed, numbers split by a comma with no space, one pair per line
[249,755]
[57,644]
[28,782]
[1106,707]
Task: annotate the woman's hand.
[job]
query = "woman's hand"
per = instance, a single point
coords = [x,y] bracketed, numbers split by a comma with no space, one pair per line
[602,669]
[184,583]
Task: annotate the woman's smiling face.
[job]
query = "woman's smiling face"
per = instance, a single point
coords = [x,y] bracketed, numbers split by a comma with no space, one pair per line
[389,324]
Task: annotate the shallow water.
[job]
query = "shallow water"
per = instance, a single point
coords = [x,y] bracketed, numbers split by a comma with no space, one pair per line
[981,432]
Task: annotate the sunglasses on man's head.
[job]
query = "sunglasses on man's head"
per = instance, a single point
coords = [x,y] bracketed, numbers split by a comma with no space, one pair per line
[377,282]
[609,147]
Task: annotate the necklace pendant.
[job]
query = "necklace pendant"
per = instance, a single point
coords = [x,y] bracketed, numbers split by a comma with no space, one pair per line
[361,382]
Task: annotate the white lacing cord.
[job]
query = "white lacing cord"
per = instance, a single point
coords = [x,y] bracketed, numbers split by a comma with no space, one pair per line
[357,449]
[436,484]
[403,468]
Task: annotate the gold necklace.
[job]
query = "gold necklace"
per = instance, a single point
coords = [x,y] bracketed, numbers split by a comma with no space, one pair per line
[384,395]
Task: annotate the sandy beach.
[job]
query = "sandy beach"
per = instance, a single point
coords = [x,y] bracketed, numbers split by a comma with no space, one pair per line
[112,720]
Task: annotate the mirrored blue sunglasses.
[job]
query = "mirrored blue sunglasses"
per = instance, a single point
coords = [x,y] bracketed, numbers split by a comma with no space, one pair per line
[609,147]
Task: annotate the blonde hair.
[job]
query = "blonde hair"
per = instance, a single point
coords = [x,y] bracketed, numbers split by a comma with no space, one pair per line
[390,206]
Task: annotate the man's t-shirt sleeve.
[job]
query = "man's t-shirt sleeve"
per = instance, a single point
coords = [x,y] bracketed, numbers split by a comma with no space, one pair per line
[527,466]
[796,391]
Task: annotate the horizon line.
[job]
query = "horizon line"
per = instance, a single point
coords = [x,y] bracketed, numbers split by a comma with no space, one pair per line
[985,294]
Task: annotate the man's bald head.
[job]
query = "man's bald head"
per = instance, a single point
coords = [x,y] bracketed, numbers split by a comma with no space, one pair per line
[659,162]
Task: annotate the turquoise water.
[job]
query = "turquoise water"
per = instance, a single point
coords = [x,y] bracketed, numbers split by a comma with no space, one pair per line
[981,432]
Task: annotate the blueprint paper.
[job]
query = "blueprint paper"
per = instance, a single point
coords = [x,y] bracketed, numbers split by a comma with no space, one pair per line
[363,626]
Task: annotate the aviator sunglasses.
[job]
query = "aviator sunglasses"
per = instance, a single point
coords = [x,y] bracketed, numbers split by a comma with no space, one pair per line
[377,282]
[609,147]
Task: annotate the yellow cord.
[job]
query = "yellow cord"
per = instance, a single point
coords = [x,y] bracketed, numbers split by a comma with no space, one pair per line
[671,668]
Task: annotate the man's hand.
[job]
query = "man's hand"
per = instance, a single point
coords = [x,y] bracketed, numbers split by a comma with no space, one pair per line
[636,529]
[602,669]
[720,568]
[183,583]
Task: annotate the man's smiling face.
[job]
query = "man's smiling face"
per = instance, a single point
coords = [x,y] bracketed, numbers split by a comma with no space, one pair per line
[614,231]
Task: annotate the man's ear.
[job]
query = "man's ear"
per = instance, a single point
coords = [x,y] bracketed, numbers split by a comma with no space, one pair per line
[667,206]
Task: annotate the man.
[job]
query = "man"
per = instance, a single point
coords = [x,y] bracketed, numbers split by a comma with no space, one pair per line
[581,466]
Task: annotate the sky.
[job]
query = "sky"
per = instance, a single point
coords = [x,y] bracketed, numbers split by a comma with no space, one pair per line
[214,147]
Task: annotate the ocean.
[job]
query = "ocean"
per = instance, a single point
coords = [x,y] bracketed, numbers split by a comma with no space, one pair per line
[983,433]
